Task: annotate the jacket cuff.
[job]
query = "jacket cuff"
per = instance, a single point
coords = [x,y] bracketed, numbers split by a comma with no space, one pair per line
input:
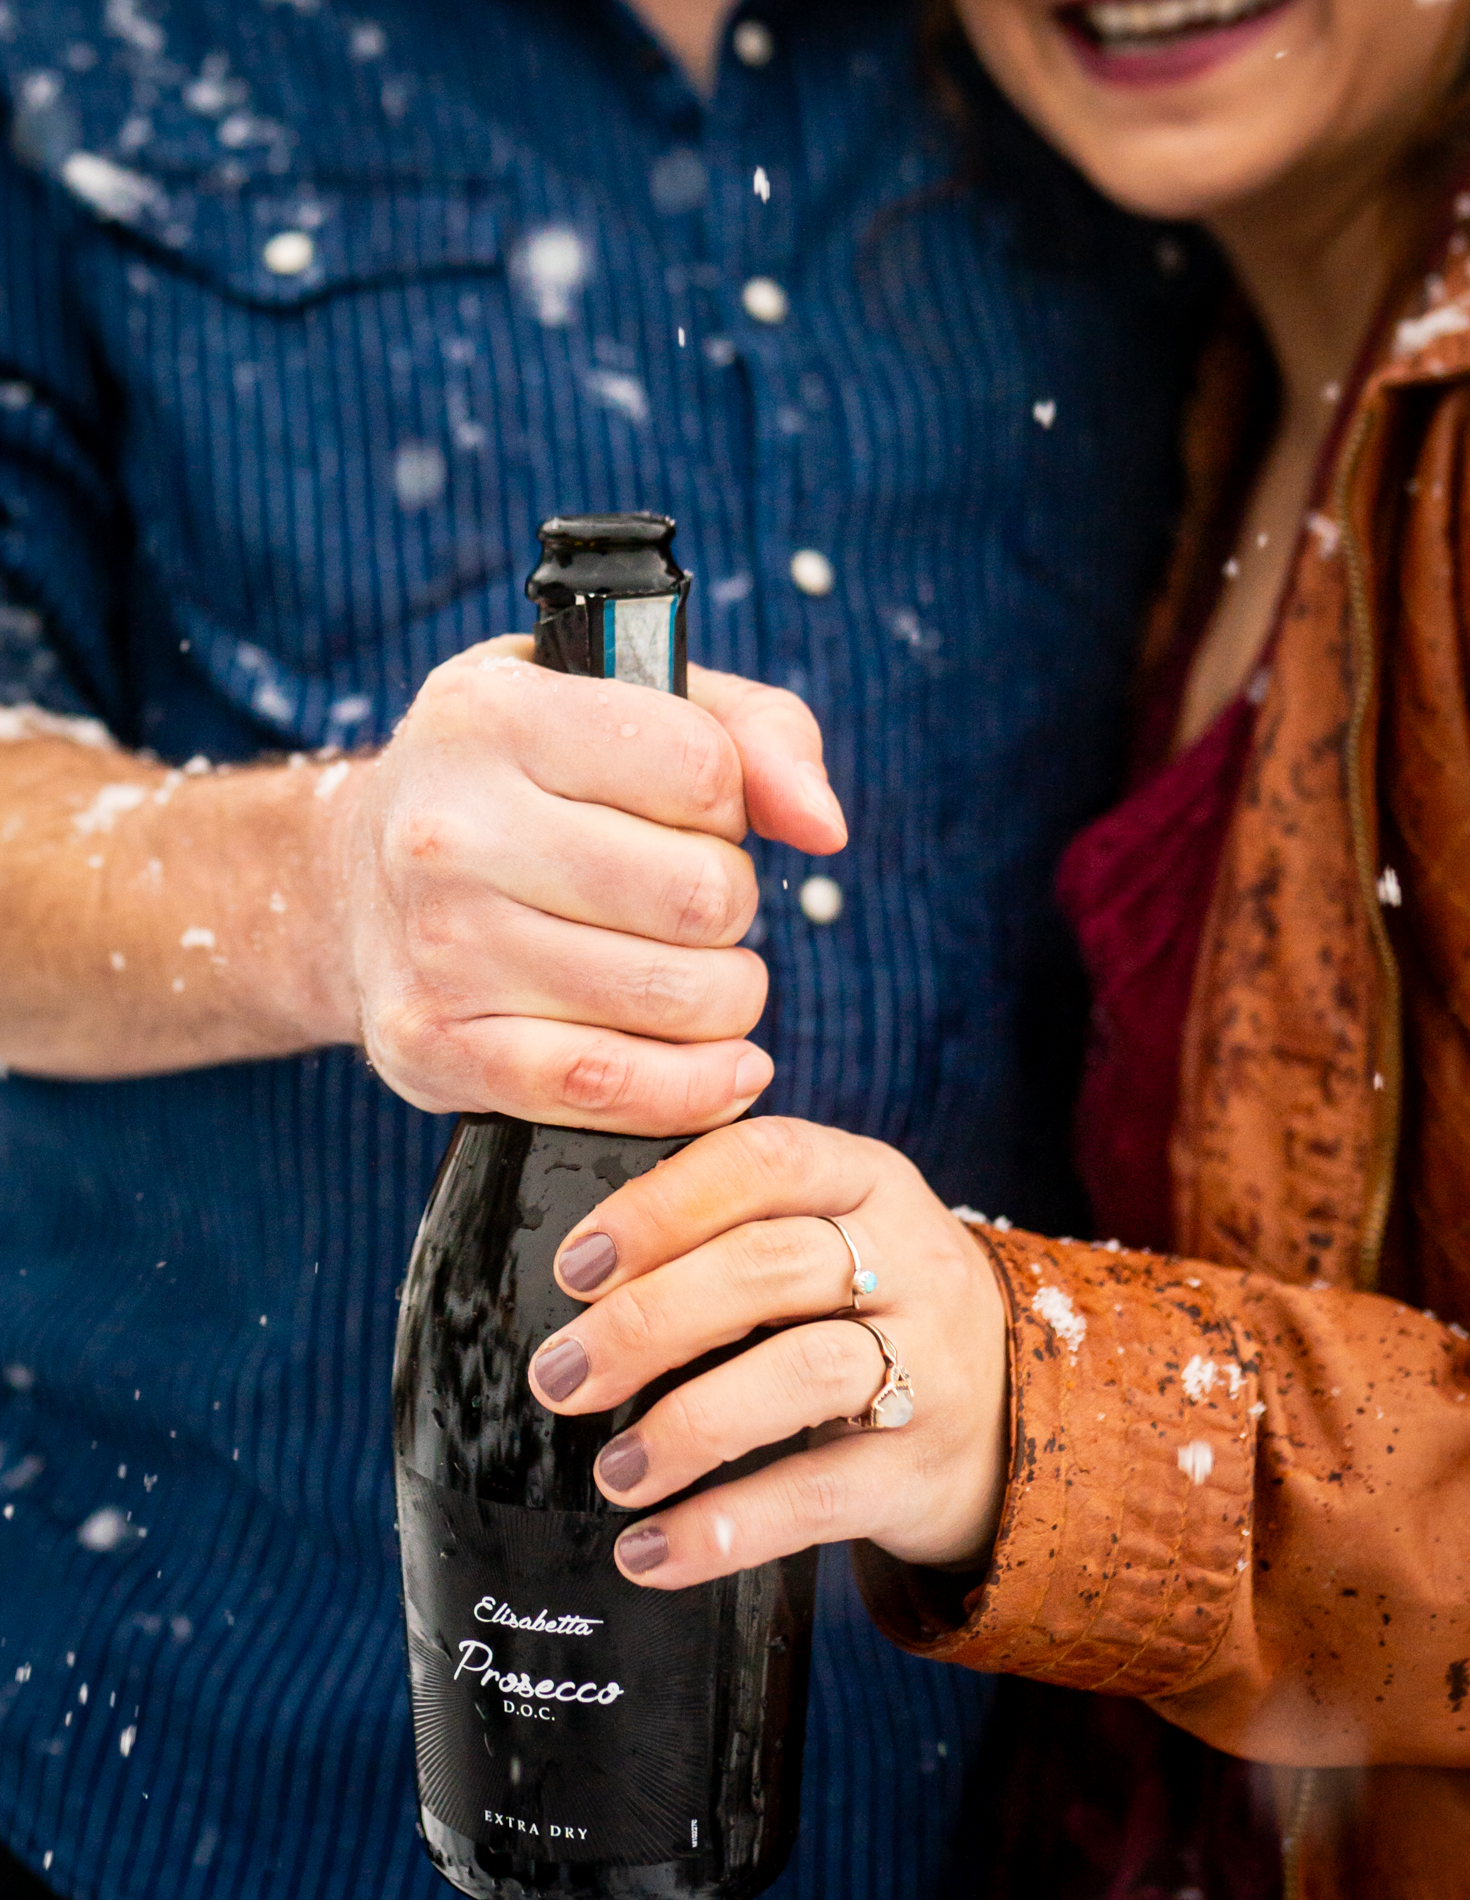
[1125,1529]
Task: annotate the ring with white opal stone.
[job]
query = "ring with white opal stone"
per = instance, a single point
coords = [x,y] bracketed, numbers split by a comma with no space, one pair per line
[864,1280]
[893,1403]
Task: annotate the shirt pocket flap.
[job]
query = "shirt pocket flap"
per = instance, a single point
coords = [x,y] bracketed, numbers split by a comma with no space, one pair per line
[293,244]
[275,211]
[291,248]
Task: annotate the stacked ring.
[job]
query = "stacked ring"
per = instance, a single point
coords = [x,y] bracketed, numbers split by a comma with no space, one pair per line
[864,1280]
[893,1403]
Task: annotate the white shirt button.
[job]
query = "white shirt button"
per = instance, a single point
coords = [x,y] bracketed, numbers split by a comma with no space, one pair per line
[812,572]
[765,300]
[289,253]
[821,900]
[754,43]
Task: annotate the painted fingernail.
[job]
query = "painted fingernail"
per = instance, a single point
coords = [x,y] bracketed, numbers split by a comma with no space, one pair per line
[587,1262]
[752,1072]
[561,1368]
[623,1462]
[643,1549]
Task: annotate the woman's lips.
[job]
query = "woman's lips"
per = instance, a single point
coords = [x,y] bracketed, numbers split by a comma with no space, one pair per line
[1163,44]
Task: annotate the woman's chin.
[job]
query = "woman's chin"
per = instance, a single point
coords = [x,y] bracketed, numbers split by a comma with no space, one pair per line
[1206,109]
[1189,181]
[1176,109]
[1190,122]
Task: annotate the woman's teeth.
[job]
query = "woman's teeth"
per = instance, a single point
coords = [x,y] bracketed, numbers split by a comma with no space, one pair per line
[1120,22]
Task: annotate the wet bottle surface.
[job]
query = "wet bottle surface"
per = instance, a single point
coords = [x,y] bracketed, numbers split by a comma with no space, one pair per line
[576,1735]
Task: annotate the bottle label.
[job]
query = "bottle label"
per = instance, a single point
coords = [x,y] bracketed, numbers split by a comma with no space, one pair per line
[560,1712]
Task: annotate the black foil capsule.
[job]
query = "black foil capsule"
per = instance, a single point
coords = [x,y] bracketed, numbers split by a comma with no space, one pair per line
[611,599]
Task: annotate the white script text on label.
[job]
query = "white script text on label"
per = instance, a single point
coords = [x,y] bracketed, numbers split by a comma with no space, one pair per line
[516,1682]
[487,1610]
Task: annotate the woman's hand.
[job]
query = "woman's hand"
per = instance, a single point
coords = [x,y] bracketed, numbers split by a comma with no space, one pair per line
[726,1237]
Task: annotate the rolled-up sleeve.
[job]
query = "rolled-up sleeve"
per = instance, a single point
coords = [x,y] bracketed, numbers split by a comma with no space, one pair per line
[62,534]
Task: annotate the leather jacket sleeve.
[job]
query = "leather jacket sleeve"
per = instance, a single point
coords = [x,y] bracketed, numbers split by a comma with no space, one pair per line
[1245,1502]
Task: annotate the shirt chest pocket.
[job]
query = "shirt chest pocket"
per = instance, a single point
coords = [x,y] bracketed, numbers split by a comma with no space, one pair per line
[324,445]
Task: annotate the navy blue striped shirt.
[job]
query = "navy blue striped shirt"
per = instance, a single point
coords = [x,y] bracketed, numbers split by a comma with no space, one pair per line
[308,315]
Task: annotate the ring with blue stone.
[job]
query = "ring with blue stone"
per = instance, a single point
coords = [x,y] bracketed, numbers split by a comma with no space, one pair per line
[864,1280]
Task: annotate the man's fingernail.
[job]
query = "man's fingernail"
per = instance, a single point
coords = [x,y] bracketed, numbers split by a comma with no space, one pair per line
[643,1549]
[752,1072]
[587,1262]
[623,1462]
[821,800]
[561,1368]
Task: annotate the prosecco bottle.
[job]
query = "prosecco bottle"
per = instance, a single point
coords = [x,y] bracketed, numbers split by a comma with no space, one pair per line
[576,1735]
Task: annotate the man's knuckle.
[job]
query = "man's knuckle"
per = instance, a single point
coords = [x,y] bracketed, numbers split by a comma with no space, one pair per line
[702,904]
[666,994]
[404,1029]
[432,926]
[599,1079]
[708,773]
[419,838]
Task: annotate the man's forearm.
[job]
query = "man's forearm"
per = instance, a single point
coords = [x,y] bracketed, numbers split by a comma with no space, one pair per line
[530,900]
[153,920]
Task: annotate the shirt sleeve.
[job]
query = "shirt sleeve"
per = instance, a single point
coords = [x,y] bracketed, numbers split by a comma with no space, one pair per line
[62,538]
[1242,1501]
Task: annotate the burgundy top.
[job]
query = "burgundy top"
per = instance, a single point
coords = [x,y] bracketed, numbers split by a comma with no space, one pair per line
[1136,886]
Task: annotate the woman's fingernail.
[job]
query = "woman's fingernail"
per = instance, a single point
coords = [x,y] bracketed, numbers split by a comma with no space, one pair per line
[643,1549]
[752,1072]
[561,1368]
[623,1462]
[587,1262]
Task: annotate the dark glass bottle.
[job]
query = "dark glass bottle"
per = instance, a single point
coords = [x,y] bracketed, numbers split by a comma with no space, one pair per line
[576,1735]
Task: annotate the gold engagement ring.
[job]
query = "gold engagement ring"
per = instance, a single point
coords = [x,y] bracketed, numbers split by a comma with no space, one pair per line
[893,1403]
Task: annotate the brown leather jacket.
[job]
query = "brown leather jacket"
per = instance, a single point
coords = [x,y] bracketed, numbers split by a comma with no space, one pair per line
[1240,1482]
